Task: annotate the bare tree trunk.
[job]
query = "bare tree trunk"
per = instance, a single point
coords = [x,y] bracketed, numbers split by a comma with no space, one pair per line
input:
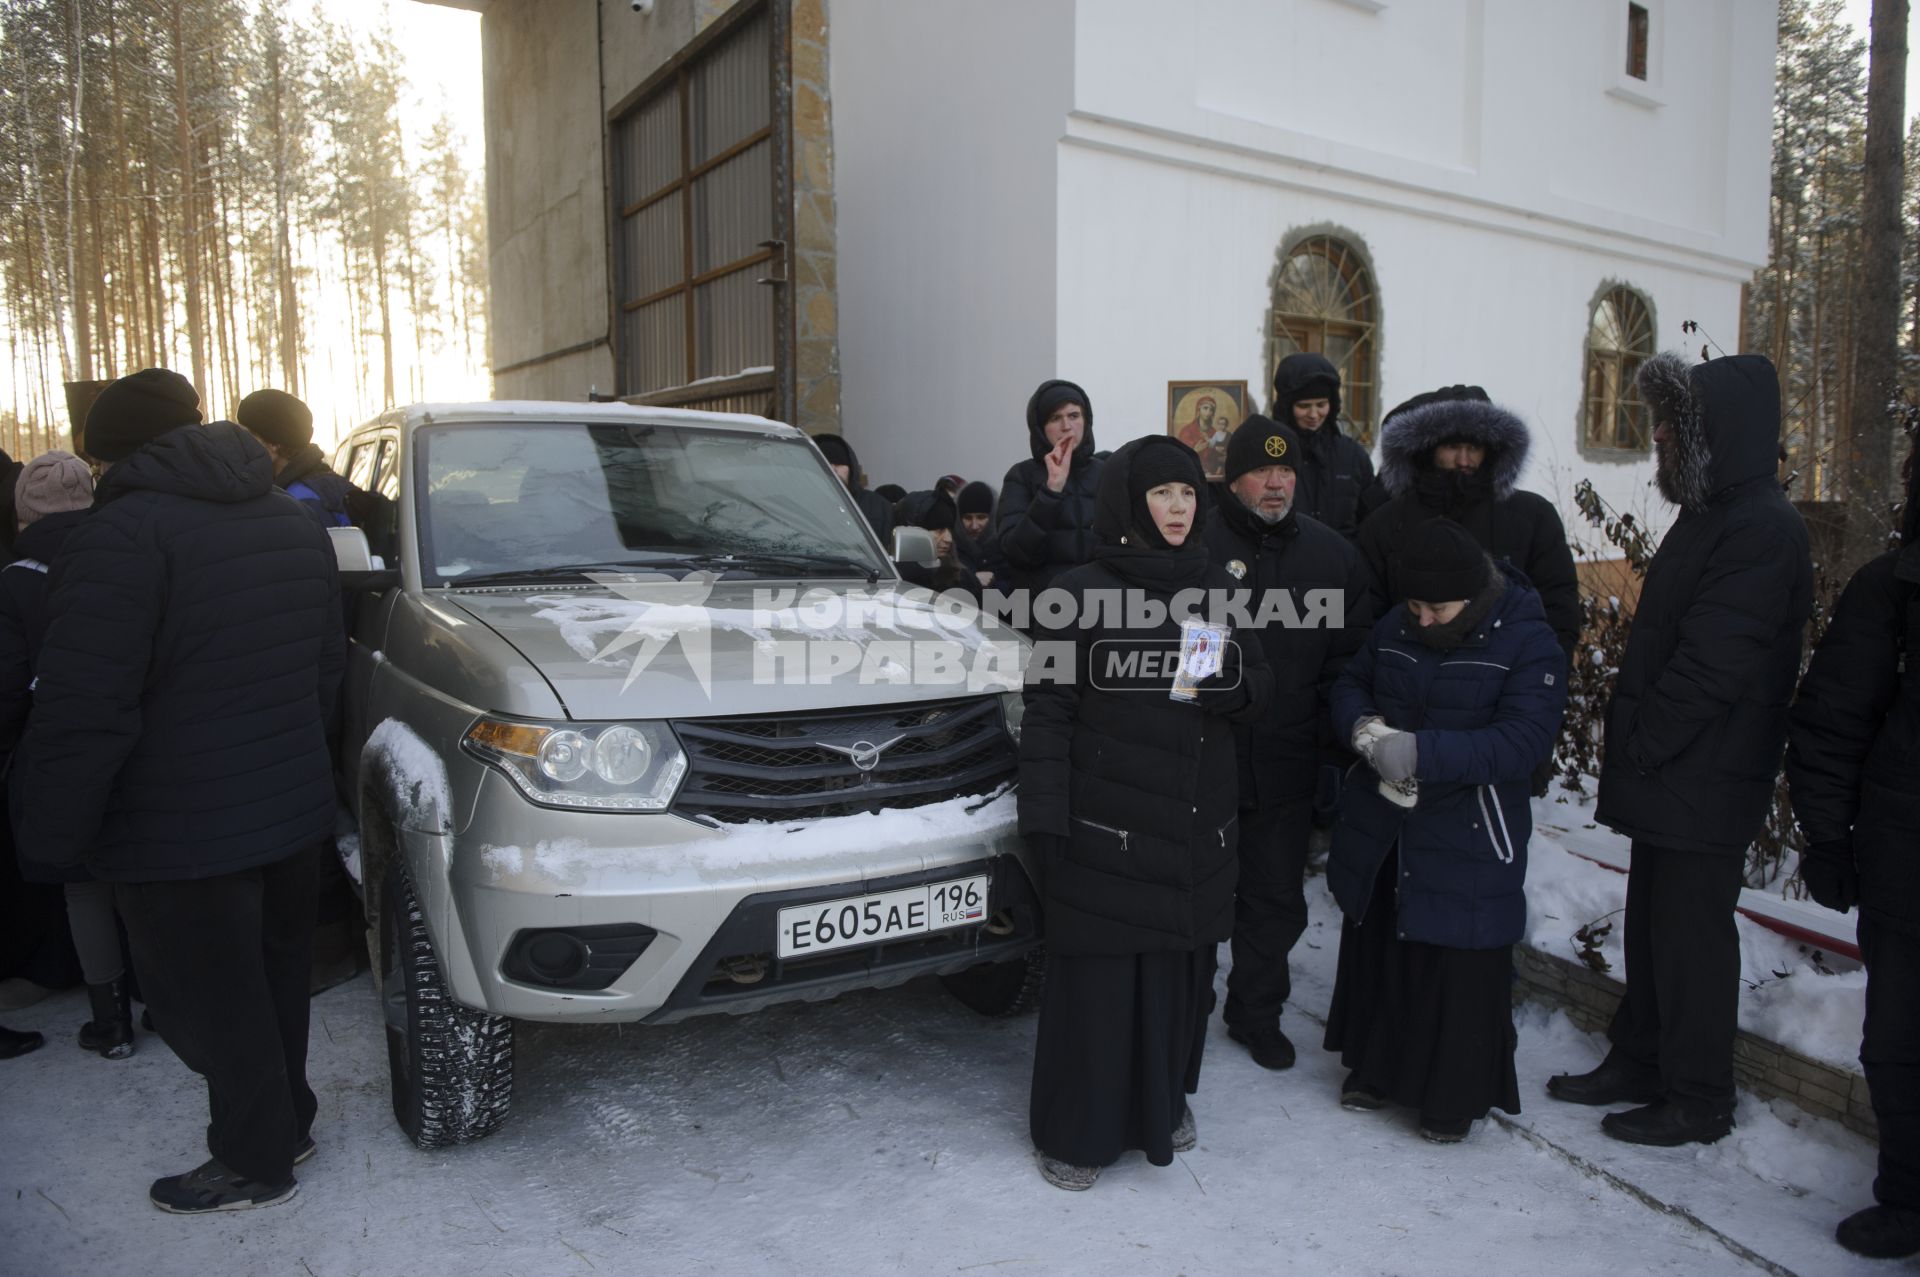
[189,202]
[1876,368]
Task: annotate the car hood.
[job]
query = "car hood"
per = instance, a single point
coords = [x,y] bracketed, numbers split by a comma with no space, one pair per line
[634,648]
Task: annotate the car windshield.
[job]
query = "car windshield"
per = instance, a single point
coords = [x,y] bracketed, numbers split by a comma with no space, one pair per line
[533,498]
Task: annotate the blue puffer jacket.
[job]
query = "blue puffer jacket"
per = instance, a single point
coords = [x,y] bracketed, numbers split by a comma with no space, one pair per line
[1485,714]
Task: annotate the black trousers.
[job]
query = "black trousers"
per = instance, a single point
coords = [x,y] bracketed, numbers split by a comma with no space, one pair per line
[224,964]
[1683,973]
[1269,910]
[1890,1055]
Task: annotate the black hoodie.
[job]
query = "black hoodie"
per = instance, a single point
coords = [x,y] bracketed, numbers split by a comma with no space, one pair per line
[1699,709]
[1043,533]
[324,495]
[193,652]
[1336,469]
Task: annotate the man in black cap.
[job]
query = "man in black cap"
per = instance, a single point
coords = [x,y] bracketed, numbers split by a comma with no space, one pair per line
[285,426]
[177,749]
[877,511]
[1045,520]
[1334,469]
[978,548]
[1266,544]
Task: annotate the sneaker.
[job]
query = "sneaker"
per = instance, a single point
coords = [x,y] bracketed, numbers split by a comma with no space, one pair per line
[1185,1135]
[1075,1179]
[1266,1043]
[1445,1130]
[303,1150]
[1358,1096]
[1881,1232]
[212,1187]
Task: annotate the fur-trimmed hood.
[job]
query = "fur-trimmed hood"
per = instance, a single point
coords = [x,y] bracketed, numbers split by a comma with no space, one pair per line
[1725,415]
[1409,437]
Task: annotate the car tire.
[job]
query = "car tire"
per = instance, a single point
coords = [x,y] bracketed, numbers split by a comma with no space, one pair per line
[451,1067]
[999,989]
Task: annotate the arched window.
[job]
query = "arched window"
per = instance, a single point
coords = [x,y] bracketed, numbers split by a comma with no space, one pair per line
[1619,340]
[1324,301]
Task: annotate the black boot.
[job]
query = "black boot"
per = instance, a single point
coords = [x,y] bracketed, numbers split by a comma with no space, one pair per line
[110,1031]
[1616,1081]
[1667,1125]
[18,1042]
[1881,1232]
[1268,1045]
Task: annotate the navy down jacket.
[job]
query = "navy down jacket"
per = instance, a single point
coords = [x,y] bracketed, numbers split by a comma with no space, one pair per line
[1484,715]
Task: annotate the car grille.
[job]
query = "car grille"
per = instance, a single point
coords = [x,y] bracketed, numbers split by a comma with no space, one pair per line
[781,767]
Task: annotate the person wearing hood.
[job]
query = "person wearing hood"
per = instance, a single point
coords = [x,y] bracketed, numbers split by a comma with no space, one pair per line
[1854,780]
[1694,732]
[51,500]
[1128,798]
[1268,546]
[875,508]
[284,426]
[1453,701]
[1045,520]
[934,511]
[974,541]
[1334,469]
[177,749]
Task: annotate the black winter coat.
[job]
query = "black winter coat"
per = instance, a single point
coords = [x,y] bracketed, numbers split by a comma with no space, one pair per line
[1282,751]
[1131,795]
[1335,469]
[193,653]
[1853,753]
[1698,715]
[23,627]
[1043,533]
[1508,521]
[323,494]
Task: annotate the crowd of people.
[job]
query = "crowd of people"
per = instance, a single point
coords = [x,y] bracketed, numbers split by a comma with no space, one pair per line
[171,647]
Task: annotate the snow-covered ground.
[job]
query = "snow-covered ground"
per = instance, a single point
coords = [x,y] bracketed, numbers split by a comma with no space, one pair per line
[886,1132]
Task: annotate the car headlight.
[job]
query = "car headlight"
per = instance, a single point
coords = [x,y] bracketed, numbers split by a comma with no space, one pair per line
[601,766]
[1013,709]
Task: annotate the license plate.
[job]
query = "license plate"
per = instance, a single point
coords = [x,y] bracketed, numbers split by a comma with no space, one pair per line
[859,920]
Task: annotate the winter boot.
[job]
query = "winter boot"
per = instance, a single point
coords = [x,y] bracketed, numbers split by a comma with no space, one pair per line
[211,1187]
[1075,1179]
[1358,1096]
[1187,1134]
[1616,1081]
[1664,1124]
[110,1031]
[1445,1130]
[1881,1232]
[1266,1043]
[18,1042]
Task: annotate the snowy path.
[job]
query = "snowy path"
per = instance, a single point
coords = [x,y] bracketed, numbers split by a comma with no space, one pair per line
[886,1132]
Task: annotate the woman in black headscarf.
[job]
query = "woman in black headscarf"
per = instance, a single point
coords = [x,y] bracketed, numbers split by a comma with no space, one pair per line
[1128,798]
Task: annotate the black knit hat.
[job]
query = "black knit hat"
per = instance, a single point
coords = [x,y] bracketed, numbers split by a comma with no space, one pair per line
[975,498]
[136,410]
[835,449]
[1261,441]
[278,418]
[927,509]
[1438,561]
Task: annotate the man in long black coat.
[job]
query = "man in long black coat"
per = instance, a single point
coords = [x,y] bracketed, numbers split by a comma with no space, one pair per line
[177,748]
[1334,469]
[1268,546]
[1854,777]
[1694,734]
[1045,519]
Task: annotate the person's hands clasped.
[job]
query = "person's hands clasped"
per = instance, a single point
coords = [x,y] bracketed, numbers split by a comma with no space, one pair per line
[1396,756]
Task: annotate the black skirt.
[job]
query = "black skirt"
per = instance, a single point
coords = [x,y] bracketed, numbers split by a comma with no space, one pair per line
[1426,1026]
[1118,1052]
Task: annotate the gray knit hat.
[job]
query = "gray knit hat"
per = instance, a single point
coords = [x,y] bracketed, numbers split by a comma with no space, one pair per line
[51,483]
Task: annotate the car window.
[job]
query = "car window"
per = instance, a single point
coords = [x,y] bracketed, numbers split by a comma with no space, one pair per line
[386,470]
[496,498]
[359,464]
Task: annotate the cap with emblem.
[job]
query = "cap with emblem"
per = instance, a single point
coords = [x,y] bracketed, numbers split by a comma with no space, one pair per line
[1260,441]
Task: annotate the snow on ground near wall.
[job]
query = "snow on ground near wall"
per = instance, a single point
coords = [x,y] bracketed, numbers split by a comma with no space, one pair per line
[885,1132]
[1785,995]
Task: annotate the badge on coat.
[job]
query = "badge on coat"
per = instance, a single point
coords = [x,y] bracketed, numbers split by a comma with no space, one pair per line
[1236,569]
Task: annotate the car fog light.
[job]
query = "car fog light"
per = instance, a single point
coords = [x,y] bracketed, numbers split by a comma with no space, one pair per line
[563,756]
[621,755]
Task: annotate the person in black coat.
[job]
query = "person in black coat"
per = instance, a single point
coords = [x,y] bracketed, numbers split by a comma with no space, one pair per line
[873,507]
[1273,550]
[177,748]
[51,500]
[1334,469]
[1853,774]
[933,510]
[1694,732]
[285,426]
[1129,799]
[974,540]
[1454,699]
[1045,520]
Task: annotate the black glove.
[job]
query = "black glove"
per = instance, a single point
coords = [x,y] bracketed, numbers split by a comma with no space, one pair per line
[1832,880]
[1226,692]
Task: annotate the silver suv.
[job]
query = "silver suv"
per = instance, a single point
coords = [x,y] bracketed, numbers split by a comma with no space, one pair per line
[640,724]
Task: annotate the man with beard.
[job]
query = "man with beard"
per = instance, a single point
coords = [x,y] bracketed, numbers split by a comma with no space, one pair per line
[1694,733]
[1266,545]
[1334,469]
[1045,520]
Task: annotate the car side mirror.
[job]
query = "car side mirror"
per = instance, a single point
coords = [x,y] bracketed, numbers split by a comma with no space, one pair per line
[359,570]
[915,546]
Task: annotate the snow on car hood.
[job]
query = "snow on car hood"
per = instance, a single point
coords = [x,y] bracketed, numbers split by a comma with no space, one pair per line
[627,647]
